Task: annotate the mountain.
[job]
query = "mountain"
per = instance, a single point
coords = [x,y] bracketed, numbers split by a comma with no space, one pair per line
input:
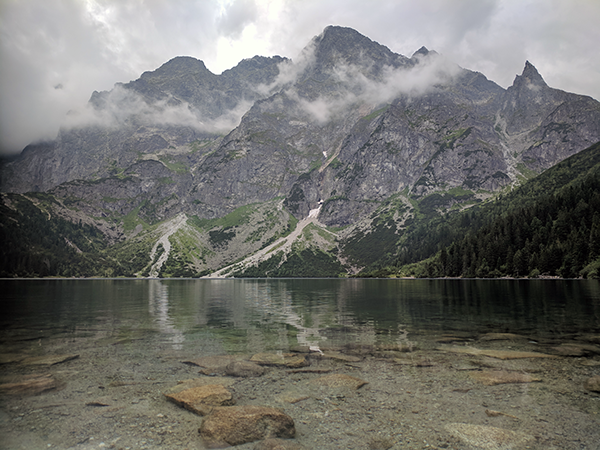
[179,103]
[319,162]
[549,226]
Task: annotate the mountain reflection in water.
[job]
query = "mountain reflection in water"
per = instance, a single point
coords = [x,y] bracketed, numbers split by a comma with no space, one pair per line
[259,314]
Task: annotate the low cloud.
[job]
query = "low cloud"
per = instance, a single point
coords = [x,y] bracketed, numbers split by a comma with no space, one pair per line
[356,88]
[89,45]
[290,70]
[122,106]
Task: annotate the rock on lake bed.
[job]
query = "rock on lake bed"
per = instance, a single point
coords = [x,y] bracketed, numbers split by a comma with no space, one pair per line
[390,399]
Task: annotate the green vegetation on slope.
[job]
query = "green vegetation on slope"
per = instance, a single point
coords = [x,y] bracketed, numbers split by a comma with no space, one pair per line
[308,262]
[549,226]
[37,244]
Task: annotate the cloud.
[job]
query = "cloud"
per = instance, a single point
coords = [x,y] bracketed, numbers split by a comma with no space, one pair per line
[87,45]
[236,17]
[356,88]
[290,70]
[122,106]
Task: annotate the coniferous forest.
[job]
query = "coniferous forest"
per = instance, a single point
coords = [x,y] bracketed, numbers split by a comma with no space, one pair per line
[549,226]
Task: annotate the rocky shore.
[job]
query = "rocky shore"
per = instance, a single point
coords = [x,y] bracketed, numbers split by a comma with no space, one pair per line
[494,391]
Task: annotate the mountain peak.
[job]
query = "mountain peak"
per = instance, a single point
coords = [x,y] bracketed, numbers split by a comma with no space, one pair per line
[422,51]
[530,77]
[342,46]
[343,34]
[342,40]
[183,63]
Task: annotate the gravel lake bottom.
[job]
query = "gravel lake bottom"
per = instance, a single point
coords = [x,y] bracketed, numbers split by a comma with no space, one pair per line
[425,391]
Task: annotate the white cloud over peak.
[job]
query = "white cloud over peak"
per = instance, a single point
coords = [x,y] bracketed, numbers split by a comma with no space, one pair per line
[431,70]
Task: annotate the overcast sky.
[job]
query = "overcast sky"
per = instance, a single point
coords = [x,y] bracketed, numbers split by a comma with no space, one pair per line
[55,53]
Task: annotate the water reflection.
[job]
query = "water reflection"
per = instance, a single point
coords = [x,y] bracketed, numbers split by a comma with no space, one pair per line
[158,307]
[256,315]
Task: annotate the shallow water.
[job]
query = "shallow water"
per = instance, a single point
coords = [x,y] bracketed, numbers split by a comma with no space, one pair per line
[254,315]
[131,337]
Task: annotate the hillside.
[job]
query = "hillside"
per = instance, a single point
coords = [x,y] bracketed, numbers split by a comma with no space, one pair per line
[549,226]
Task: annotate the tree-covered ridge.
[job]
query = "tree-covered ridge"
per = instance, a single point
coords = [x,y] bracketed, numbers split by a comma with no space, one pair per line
[36,244]
[550,226]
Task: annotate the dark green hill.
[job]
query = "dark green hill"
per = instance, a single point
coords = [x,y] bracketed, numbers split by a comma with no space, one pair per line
[548,226]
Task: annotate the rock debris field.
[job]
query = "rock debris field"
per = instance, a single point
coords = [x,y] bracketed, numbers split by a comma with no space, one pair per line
[492,391]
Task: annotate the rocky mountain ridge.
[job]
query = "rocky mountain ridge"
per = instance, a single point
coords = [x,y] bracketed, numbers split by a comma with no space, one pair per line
[349,126]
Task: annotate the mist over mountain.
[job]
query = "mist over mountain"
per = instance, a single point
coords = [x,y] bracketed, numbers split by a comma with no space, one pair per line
[348,129]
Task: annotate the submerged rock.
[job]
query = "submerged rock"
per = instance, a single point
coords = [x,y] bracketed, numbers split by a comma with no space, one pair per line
[244,369]
[590,362]
[499,354]
[451,339]
[6,358]
[341,356]
[380,443]
[336,380]
[491,378]
[236,425]
[29,385]
[194,382]
[501,337]
[592,384]
[47,360]
[280,359]
[489,438]
[302,349]
[214,365]
[293,396]
[414,362]
[577,349]
[201,399]
[278,444]
[492,413]
[591,338]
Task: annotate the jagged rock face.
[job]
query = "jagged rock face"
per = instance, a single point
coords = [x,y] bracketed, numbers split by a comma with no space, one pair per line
[337,48]
[161,188]
[179,103]
[571,126]
[528,101]
[546,125]
[350,123]
[185,80]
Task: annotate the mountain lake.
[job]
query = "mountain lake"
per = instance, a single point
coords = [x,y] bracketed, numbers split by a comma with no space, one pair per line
[356,363]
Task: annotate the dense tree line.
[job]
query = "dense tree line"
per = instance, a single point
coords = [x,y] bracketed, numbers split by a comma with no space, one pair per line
[303,263]
[558,236]
[548,226]
[37,243]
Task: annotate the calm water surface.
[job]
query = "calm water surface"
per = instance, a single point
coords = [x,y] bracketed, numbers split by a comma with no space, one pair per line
[256,314]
